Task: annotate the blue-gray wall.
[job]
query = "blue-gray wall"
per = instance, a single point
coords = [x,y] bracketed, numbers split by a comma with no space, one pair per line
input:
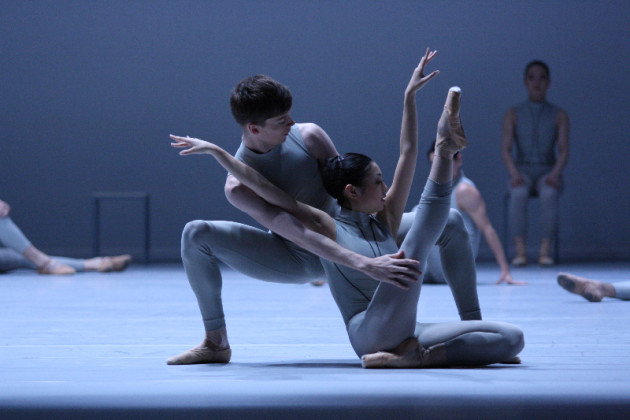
[91,89]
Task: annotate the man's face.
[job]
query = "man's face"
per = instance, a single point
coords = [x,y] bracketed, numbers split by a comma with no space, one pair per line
[537,83]
[275,129]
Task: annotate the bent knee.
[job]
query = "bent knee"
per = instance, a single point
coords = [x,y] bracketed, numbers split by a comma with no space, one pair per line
[196,232]
[455,225]
[514,340]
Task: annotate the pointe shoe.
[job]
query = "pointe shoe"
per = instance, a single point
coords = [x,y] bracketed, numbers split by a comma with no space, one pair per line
[200,355]
[318,283]
[450,133]
[588,289]
[409,354]
[117,263]
[545,261]
[519,261]
[53,267]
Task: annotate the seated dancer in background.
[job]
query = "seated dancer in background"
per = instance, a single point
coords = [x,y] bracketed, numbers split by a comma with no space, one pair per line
[468,200]
[16,251]
[381,317]
[594,290]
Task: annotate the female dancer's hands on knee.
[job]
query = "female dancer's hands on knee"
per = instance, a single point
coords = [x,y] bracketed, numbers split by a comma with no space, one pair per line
[394,269]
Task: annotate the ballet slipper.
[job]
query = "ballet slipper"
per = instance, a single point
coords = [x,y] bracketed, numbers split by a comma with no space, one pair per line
[513,361]
[590,290]
[318,283]
[117,263]
[200,355]
[54,267]
[450,136]
[545,261]
[519,261]
[409,354]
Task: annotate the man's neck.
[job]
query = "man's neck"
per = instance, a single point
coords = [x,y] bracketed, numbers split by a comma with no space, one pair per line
[255,145]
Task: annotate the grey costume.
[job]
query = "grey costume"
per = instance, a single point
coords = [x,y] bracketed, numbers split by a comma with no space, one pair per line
[379,316]
[535,139]
[13,243]
[434,272]
[266,256]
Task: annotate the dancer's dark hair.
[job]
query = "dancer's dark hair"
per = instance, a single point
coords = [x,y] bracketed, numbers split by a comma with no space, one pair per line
[537,63]
[257,98]
[339,171]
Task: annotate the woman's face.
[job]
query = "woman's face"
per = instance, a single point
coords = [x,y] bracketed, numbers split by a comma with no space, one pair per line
[537,83]
[371,195]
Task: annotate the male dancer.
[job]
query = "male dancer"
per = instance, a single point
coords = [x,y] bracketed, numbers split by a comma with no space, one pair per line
[288,154]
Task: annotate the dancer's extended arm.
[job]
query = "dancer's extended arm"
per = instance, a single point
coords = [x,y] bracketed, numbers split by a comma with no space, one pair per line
[398,192]
[306,226]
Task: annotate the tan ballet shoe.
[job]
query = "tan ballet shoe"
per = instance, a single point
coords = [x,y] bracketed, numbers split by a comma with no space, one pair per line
[519,261]
[450,136]
[545,261]
[318,283]
[117,263]
[409,354]
[56,268]
[200,355]
[590,290]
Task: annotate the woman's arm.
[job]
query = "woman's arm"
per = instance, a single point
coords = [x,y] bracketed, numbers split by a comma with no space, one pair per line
[396,198]
[507,139]
[306,226]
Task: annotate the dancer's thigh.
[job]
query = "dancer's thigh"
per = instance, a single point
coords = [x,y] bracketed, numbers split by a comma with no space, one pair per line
[430,334]
[263,255]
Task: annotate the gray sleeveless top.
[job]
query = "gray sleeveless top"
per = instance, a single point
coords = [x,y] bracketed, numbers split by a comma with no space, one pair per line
[365,235]
[536,134]
[292,168]
[473,231]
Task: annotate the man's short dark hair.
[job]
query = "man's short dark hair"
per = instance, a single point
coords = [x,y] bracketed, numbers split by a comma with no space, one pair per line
[537,63]
[258,98]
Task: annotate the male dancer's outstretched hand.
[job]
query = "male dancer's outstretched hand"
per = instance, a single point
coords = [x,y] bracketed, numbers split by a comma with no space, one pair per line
[394,269]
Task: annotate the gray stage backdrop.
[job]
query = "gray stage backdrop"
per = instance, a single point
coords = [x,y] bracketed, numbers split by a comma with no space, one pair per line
[91,89]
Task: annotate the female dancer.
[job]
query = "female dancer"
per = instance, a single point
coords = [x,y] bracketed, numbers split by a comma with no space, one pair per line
[381,317]
[16,251]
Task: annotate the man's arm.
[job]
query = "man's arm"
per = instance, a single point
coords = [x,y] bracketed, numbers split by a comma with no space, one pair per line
[562,124]
[507,140]
[470,201]
[393,269]
[317,141]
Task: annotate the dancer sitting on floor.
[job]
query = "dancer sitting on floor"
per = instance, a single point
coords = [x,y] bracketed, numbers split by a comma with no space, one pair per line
[594,290]
[381,317]
[16,251]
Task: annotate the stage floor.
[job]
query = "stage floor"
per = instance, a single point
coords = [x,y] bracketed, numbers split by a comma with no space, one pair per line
[94,346]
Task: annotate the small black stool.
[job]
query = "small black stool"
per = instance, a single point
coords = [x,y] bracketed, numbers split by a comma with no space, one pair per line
[97,197]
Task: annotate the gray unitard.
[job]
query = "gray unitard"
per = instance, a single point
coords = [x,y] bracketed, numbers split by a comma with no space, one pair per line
[13,243]
[266,256]
[434,273]
[535,138]
[379,316]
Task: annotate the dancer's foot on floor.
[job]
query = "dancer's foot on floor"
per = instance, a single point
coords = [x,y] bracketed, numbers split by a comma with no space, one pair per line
[591,290]
[545,261]
[54,267]
[199,355]
[519,261]
[409,354]
[117,263]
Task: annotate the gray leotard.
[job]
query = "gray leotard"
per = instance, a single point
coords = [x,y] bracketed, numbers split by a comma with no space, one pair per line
[291,167]
[379,316]
[255,252]
[535,137]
